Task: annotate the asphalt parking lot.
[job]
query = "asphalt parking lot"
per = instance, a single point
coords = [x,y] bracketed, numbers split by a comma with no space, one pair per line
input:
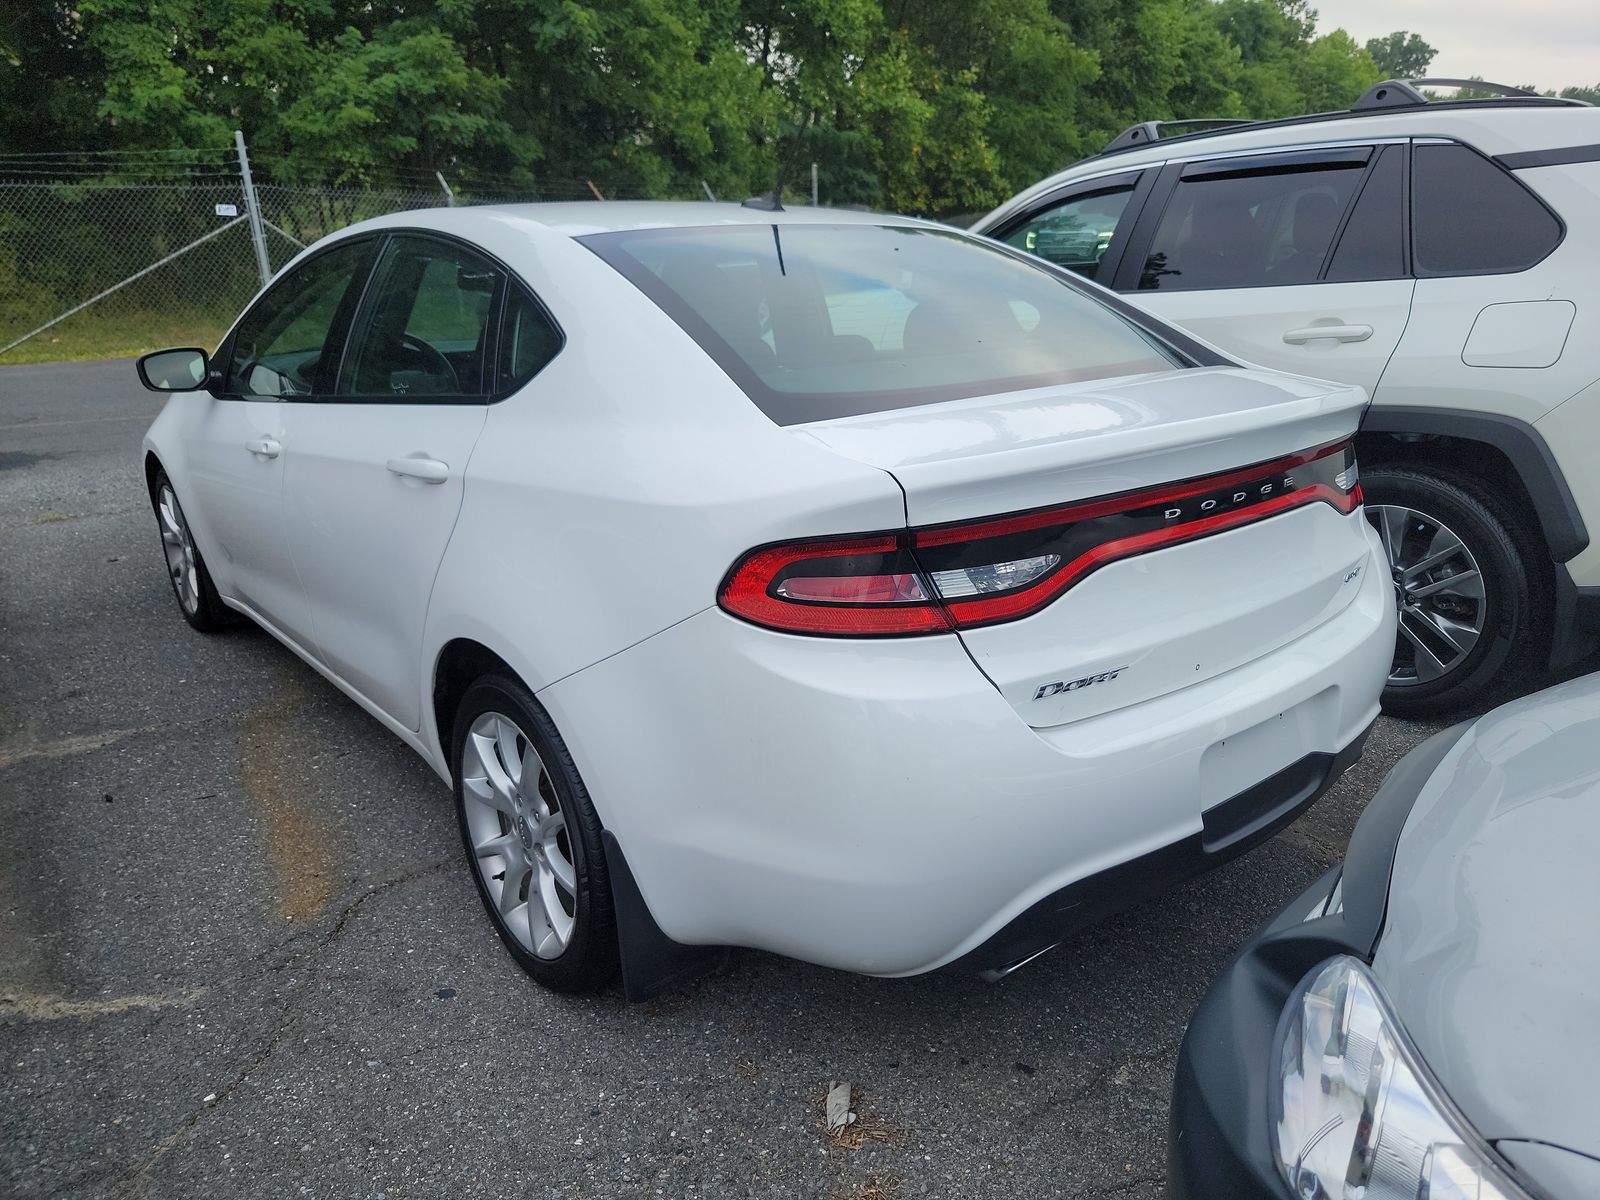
[240,955]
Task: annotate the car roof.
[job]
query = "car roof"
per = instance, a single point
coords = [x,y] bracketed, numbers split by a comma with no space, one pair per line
[1493,127]
[581,218]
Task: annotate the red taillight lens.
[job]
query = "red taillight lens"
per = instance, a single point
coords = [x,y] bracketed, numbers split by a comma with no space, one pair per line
[935,580]
[849,586]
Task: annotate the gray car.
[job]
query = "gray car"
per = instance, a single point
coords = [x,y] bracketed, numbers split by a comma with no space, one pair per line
[1425,1021]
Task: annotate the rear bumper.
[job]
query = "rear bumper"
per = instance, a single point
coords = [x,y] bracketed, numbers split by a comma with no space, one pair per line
[878,806]
[1228,830]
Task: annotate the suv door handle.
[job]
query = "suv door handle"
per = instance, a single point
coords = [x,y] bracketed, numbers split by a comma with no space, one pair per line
[1337,333]
[264,446]
[429,470]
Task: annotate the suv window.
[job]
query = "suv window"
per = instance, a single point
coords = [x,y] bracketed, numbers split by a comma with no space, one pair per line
[528,339]
[1250,228]
[1075,233]
[1373,245]
[1469,217]
[423,330]
[281,347]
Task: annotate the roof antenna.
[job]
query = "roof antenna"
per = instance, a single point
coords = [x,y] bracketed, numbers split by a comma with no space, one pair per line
[771,202]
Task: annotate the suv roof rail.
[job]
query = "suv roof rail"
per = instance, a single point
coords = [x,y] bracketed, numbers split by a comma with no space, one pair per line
[1383,97]
[1403,93]
[1151,131]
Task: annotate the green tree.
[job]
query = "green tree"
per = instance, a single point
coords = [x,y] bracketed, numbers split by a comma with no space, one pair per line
[932,106]
[1012,64]
[1401,55]
[1335,71]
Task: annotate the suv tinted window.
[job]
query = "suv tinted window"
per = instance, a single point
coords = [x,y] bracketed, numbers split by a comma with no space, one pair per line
[1249,228]
[423,329]
[822,321]
[281,346]
[1471,218]
[1373,245]
[1075,233]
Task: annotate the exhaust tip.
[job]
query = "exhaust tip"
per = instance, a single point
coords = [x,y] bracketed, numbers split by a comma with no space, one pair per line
[995,974]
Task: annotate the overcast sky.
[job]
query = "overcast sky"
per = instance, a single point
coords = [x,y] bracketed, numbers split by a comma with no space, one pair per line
[1553,43]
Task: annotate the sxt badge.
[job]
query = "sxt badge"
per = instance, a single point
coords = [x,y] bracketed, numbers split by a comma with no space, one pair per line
[1076,685]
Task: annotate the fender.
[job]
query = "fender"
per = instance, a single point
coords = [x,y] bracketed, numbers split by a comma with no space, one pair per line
[1559,519]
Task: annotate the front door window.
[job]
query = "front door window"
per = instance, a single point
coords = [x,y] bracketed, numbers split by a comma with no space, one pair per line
[283,346]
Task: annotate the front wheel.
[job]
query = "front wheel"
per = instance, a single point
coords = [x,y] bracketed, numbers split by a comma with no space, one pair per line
[532,838]
[1470,589]
[186,569]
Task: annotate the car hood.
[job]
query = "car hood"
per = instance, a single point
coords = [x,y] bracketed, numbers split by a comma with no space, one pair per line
[1490,952]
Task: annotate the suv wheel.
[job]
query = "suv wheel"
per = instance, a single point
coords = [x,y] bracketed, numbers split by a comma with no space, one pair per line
[1471,593]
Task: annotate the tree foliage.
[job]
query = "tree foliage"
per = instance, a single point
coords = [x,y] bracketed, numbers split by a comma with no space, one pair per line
[922,105]
[1402,55]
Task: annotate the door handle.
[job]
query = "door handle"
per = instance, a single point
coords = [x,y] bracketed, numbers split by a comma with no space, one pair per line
[264,446]
[429,470]
[1337,333]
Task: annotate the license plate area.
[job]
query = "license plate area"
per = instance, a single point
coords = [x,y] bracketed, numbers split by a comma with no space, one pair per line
[1242,760]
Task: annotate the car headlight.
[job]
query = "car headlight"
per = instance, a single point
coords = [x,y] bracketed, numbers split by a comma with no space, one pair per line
[1357,1115]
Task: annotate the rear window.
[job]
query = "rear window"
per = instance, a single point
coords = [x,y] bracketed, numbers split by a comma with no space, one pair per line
[816,322]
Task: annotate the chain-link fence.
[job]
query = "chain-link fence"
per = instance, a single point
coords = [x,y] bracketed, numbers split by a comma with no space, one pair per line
[113,254]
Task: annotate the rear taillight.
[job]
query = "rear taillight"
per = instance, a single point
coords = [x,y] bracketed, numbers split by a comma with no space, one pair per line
[846,586]
[942,578]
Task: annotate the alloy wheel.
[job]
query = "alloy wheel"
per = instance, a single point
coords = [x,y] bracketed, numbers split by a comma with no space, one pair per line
[521,848]
[178,543]
[1438,590]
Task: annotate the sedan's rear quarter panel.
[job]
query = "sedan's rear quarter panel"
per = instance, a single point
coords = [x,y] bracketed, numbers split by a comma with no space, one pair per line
[607,498]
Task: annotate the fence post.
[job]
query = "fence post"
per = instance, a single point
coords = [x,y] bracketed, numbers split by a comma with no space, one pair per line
[449,196]
[253,210]
[813,185]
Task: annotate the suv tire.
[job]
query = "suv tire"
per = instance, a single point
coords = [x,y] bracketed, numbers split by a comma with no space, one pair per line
[1470,586]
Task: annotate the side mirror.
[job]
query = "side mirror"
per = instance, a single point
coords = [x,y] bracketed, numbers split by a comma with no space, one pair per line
[174,370]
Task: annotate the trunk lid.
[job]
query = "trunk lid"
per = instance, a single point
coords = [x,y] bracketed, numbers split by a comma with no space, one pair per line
[1157,611]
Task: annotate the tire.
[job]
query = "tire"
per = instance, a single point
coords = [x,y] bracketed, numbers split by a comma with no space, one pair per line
[186,567]
[1495,582]
[558,922]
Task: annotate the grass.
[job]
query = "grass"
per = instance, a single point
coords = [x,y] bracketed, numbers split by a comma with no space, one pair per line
[91,335]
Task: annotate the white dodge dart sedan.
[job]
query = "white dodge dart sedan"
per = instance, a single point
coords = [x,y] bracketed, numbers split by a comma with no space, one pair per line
[831,583]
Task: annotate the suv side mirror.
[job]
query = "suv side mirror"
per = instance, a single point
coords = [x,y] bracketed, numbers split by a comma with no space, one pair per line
[183,370]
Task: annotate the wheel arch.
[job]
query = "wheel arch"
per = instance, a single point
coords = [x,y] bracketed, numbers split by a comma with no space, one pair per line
[458,664]
[651,961]
[152,468]
[1502,450]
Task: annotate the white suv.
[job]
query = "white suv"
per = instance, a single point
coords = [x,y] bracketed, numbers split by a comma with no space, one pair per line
[1442,256]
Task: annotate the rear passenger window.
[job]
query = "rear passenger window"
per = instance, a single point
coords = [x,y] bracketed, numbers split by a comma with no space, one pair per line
[1075,233]
[1469,217]
[1373,245]
[1250,228]
[528,340]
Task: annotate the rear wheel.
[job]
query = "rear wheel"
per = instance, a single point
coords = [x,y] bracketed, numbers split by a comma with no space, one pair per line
[532,838]
[1470,589]
[186,568]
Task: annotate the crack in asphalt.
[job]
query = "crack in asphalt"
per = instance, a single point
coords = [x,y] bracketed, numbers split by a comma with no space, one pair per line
[1128,1185]
[135,1182]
